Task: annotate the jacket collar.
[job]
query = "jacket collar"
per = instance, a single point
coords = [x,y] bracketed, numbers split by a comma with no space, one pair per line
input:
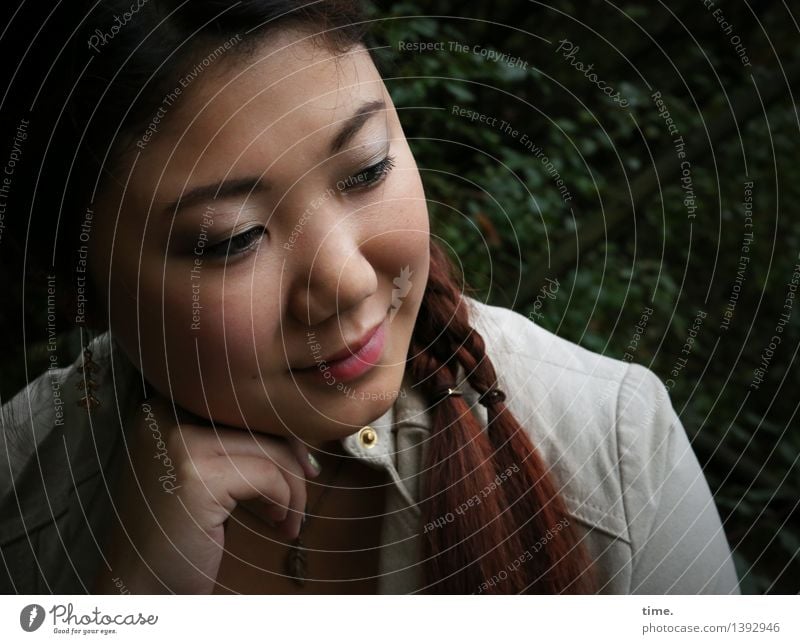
[402,434]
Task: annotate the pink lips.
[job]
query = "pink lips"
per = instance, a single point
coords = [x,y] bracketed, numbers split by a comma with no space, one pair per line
[355,364]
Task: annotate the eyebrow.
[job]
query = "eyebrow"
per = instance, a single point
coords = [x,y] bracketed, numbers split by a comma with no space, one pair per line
[354,123]
[244,186]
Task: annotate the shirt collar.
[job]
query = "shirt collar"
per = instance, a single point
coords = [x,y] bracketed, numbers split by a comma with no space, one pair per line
[401,436]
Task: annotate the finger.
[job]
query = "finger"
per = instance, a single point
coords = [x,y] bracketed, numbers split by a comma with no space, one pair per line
[240,478]
[310,465]
[297,505]
[223,441]
[290,512]
[292,457]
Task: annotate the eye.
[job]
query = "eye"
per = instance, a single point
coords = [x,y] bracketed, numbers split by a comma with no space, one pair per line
[240,244]
[368,177]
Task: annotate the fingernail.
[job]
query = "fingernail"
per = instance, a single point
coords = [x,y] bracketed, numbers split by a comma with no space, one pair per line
[314,463]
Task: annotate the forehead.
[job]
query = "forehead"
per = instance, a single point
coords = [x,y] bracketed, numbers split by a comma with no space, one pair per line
[281,103]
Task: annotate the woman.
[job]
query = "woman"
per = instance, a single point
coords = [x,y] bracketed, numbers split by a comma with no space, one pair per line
[237,218]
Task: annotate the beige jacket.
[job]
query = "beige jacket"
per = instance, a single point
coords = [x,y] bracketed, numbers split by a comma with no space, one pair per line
[607,427]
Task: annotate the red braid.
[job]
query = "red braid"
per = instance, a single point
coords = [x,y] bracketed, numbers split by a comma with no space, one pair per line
[484,549]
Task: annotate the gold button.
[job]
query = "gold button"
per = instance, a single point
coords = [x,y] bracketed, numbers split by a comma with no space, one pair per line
[368,436]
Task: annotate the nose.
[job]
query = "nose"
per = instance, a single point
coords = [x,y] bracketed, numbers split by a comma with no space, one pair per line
[331,273]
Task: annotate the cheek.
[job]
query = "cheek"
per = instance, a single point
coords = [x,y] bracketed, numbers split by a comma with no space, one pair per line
[247,314]
[228,316]
[404,231]
[208,335]
[191,303]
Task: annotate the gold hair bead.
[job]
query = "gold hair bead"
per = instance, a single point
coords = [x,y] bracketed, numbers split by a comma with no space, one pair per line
[439,396]
[491,397]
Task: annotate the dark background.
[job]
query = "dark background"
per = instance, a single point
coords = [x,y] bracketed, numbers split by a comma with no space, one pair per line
[626,241]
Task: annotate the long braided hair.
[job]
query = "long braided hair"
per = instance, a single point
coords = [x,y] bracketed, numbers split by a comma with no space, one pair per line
[487,549]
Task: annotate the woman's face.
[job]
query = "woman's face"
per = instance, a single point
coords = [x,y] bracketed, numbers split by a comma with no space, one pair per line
[313,240]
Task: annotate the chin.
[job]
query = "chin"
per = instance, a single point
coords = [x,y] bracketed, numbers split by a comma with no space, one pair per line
[345,412]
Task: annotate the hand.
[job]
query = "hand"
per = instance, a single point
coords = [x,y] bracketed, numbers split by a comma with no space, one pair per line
[173,498]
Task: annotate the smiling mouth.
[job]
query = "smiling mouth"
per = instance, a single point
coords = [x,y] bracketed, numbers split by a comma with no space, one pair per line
[348,363]
[356,347]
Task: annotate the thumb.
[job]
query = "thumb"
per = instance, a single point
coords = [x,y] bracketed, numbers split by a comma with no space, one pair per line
[310,465]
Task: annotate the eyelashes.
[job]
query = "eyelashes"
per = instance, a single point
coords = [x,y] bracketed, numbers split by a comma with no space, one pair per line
[367,177]
[248,240]
[238,244]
